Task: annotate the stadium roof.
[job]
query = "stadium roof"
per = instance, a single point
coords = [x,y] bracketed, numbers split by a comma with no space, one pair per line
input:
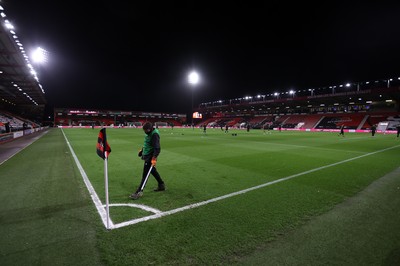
[377,94]
[19,85]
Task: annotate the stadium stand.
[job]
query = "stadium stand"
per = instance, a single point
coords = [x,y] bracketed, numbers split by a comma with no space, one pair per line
[86,118]
[22,100]
[357,106]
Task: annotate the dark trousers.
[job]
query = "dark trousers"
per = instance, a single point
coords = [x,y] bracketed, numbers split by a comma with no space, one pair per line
[154,172]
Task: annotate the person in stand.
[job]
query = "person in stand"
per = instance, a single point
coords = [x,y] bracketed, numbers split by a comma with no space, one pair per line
[341,130]
[149,154]
[373,130]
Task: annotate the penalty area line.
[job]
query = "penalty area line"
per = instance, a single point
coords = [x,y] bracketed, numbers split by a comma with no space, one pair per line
[202,203]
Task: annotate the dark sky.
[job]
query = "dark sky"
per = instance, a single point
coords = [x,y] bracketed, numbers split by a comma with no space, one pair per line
[136,55]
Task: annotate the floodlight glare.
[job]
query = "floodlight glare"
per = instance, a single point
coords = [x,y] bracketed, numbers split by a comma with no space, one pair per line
[39,55]
[193,78]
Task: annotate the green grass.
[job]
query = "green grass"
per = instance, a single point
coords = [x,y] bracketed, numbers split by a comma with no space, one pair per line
[337,209]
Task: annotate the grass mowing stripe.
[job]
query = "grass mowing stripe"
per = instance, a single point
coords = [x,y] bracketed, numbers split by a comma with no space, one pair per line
[289,145]
[195,205]
[228,229]
[103,214]
[279,145]
[46,216]
[327,236]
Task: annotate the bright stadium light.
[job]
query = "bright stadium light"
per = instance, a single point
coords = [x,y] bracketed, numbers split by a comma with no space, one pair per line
[40,55]
[193,79]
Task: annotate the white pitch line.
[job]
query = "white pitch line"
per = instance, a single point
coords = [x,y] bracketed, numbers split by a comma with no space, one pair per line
[195,205]
[133,205]
[96,200]
[158,214]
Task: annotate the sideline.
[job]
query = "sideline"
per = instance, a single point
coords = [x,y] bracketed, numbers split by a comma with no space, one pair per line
[158,214]
[11,148]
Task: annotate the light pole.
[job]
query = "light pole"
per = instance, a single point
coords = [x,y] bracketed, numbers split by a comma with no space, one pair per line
[193,79]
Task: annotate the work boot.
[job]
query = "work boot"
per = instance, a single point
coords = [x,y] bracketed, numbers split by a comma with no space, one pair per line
[136,195]
[161,187]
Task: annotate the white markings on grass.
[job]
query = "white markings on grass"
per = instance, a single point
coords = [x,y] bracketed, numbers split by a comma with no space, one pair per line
[158,214]
[140,206]
[96,200]
[195,205]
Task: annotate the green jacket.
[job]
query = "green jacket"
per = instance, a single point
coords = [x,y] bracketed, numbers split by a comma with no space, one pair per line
[151,146]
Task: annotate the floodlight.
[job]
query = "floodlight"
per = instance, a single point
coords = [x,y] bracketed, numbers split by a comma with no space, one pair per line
[40,55]
[193,78]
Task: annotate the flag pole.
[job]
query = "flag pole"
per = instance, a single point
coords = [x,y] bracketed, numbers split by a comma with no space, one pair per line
[103,150]
[106,187]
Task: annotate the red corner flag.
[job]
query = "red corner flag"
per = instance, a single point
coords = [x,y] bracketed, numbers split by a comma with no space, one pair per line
[102,147]
[103,150]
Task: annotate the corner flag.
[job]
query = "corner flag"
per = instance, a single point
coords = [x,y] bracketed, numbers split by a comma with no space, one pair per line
[103,150]
[102,147]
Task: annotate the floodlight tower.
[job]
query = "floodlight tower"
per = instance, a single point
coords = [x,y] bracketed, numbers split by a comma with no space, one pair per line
[39,57]
[193,79]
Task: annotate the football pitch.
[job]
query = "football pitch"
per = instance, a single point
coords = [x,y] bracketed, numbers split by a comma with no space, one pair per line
[246,198]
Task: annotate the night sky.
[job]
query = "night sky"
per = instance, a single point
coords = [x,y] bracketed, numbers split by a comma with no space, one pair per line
[136,55]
